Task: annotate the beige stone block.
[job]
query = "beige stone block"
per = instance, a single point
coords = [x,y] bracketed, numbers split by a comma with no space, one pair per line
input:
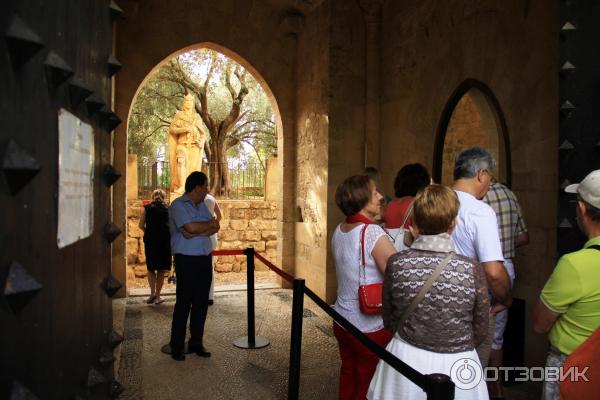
[237,214]
[141,256]
[224,224]
[269,235]
[229,235]
[133,230]
[132,176]
[269,214]
[253,214]
[134,212]
[223,267]
[272,179]
[132,250]
[271,244]
[258,246]
[140,271]
[240,259]
[238,224]
[259,204]
[237,268]
[239,204]
[251,236]
[225,211]
[234,245]
[224,204]
[262,225]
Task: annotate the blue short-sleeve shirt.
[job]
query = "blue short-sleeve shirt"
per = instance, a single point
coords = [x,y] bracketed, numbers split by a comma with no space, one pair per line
[181,212]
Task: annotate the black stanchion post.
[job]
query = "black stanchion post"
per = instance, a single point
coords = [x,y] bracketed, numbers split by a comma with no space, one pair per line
[296,341]
[251,341]
[440,387]
[250,295]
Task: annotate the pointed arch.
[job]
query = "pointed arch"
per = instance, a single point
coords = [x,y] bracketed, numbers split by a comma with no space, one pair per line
[488,106]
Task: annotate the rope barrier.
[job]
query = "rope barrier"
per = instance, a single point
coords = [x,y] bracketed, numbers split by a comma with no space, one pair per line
[273,268]
[415,376]
[437,386]
[228,252]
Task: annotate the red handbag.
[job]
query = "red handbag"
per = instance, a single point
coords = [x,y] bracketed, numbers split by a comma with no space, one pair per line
[369,295]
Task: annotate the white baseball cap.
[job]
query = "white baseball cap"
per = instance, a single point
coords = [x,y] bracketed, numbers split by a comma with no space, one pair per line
[588,189]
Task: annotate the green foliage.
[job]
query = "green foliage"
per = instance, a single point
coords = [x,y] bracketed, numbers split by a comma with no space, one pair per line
[252,136]
[153,108]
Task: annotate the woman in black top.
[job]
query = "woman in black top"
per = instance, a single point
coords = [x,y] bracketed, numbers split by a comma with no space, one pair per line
[154,221]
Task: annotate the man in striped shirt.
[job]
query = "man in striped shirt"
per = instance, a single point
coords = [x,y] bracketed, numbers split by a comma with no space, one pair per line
[513,233]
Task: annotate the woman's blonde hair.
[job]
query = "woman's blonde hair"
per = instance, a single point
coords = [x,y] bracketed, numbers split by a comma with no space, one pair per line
[435,209]
[160,194]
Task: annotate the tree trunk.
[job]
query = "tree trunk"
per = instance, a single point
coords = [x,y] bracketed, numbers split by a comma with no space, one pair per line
[214,171]
[224,167]
[220,184]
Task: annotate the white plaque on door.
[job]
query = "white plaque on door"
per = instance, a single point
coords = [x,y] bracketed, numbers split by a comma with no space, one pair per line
[75,179]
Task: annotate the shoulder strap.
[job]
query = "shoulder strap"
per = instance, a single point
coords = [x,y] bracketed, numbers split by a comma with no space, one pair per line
[595,247]
[362,245]
[408,213]
[417,299]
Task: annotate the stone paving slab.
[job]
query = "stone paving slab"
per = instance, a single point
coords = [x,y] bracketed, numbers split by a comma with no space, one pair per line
[230,373]
[233,373]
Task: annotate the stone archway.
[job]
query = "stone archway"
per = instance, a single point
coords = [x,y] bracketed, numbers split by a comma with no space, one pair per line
[275,234]
[472,117]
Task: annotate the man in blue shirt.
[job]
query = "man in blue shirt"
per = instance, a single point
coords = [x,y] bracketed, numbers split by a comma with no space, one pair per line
[191,224]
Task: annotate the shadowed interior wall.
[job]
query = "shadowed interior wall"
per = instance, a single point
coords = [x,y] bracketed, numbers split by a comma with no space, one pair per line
[51,344]
[312,127]
[347,109]
[428,49]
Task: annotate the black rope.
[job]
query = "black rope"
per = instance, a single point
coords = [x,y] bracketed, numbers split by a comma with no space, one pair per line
[415,376]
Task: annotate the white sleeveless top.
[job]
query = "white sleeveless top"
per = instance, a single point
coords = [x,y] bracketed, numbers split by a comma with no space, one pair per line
[346,251]
[211,202]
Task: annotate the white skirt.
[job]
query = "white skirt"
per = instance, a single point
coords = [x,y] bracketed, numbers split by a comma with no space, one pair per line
[463,368]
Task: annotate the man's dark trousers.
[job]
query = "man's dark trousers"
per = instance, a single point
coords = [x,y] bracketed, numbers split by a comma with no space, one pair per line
[194,276]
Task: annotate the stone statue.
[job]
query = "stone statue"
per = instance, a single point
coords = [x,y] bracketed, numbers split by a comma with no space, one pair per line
[186,144]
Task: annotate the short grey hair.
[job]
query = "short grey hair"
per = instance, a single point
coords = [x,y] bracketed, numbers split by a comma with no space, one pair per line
[472,160]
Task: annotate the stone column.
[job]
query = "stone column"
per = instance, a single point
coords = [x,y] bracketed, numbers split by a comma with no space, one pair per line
[372,15]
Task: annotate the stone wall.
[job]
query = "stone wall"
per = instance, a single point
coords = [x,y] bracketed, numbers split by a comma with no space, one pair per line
[311,152]
[250,223]
[430,47]
[350,104]
[132,177]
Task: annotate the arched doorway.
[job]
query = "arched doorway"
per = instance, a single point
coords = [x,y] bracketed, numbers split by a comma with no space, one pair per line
[472,117]
[245,223]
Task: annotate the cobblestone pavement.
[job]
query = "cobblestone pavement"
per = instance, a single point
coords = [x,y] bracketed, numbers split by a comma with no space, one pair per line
[230,373]
[233,373]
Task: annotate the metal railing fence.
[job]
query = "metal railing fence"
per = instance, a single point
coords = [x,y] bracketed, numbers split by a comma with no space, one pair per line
[246,181]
